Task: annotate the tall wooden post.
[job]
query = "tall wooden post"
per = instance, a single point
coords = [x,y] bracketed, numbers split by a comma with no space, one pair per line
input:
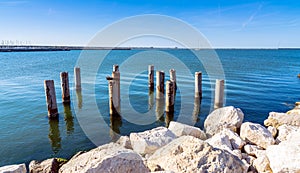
[116,87]
[65,91]
[51,98]
[219,94]
[160,86]
[198,85]
[170,96]
[77,78]
[151,77]
[173,78]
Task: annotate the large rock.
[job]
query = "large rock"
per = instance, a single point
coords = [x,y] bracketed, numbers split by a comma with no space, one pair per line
[262,164]
[148,141]
[276,119]
[285,157]
[109,158]
[46,166]
[180,129]
[254,150]
[190,154]
[21,168]
[284,131]
[256,134]
[124,141]
[226,117]
[235,139]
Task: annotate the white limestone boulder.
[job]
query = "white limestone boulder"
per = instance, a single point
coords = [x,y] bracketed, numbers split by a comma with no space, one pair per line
[21,168]
[148,141]
[254,150]
[285,157]
[226,117]
[190,154]
[180,129]
[284,130]
[256,134]
[108,158]
[262,164]
[276,119]
[124,141]
[273,130]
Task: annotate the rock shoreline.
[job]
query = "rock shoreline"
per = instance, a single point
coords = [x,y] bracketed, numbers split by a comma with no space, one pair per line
[226,144]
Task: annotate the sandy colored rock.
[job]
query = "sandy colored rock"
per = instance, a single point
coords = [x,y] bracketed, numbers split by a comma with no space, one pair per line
[283,132]
[256,134]
[109,158]
[21,168]
[276,119]
[253,150]
[262,164]
[148,141]
[46,166]
[273,130]
[190,154]
[124,141]
[236,141]
[285,157]
[180,129]
[226,117]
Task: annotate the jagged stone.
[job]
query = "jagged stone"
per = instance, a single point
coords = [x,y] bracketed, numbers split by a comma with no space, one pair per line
[108,158]
[226,117]
[190,154]
[148,141]
[180,129]
[256,134]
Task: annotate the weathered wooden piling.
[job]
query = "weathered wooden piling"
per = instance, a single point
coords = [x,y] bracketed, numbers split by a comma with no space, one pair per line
[65,91]
[170,94]
[160,86]
[198,85]
[173,78]
[51,98]
[114,100]
[151,77]
[77,78]
[116,88]
[219,94]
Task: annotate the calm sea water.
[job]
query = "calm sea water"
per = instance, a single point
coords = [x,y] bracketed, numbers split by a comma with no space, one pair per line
[257,81]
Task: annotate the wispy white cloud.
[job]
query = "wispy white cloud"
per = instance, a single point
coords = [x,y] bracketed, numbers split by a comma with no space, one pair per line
[251,18]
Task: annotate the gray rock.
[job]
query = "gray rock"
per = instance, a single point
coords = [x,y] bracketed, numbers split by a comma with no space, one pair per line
[21,168]
[190,154]
[226,117]
[180,129]
[109,158]
[148,141]
[253,150]
[256,134]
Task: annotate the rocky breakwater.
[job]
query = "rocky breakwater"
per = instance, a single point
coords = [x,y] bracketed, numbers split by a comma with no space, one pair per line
[226,144]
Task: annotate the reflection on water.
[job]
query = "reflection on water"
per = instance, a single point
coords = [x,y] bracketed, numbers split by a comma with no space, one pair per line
[79,98]
[150,99]
[115,124]
[159,109]
[54,135]
[169,118]
[197,109]
[69,118]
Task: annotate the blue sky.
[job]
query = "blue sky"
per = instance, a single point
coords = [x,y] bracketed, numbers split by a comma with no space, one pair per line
[229,24]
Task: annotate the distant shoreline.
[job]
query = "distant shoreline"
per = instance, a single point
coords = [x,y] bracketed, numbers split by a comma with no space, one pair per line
[69,48]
